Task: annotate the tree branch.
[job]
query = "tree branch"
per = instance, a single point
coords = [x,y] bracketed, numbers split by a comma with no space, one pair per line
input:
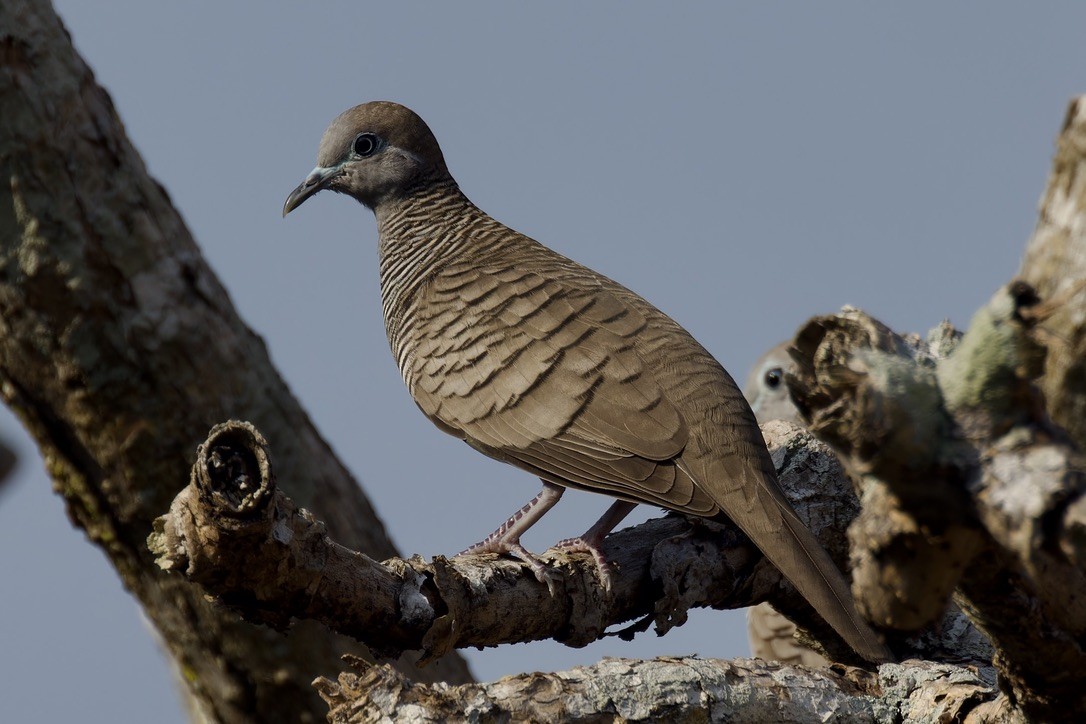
[678,689]
[966,484]
[1055,265]
[252,548]
[966,481]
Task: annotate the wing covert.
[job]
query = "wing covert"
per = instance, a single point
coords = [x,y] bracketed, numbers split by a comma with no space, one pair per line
[546,375]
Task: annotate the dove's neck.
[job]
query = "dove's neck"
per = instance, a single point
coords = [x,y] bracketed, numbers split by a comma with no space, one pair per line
[420,234]
[420,228]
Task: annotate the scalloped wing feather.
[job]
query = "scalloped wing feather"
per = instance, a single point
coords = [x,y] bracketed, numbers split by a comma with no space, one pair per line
[546,376]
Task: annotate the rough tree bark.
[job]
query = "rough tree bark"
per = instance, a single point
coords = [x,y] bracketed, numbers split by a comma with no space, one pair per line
[1055,263]
[117,346]
[119,349]
[236,534]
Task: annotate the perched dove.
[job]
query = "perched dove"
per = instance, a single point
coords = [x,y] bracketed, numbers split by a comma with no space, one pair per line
[539,362]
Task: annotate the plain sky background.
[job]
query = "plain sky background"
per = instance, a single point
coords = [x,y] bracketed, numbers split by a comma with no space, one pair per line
[741,166]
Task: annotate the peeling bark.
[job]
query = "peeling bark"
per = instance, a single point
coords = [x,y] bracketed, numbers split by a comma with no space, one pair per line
[249,545]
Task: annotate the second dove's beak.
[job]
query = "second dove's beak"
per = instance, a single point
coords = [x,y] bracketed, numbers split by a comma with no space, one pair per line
[314,182]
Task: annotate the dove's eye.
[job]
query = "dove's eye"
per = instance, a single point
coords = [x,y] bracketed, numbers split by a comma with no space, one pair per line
[365,144]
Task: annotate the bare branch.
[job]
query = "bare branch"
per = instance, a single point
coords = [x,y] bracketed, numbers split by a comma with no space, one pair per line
[678,689]
[238,536]
[251,547]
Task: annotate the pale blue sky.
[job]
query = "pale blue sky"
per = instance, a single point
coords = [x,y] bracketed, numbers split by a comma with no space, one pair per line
[741,166]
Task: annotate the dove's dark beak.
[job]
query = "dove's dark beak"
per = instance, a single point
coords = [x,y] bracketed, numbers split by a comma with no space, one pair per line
[318,179]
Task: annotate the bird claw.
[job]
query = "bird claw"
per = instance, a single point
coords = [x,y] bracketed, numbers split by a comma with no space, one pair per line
[543,573]
[506,539]
[604,567]
[539,569]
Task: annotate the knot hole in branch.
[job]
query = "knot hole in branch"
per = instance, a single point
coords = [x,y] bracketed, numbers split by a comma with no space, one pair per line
[233,468]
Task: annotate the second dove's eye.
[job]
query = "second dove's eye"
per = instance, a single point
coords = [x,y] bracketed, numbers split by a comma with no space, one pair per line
[365,144]
[774,377]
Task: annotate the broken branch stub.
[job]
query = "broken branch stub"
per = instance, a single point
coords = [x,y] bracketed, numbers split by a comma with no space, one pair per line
[233,468]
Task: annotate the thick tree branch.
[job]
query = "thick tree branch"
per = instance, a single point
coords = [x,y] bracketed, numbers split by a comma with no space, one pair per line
[959,457]
[119,347]
[966,484]
[678,689]
[250,546]
[1055,264]
[966,481]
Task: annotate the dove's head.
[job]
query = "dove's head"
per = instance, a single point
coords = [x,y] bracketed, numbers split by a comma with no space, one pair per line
[375,152]
[765,389]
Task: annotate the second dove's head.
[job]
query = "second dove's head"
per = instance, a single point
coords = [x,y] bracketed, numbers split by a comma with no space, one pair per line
[374,152]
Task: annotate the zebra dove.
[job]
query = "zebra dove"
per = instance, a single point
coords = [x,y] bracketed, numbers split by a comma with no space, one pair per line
[537,361]
[765,389]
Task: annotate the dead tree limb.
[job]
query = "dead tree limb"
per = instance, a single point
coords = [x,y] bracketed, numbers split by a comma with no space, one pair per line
[678,689]
[252,548]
